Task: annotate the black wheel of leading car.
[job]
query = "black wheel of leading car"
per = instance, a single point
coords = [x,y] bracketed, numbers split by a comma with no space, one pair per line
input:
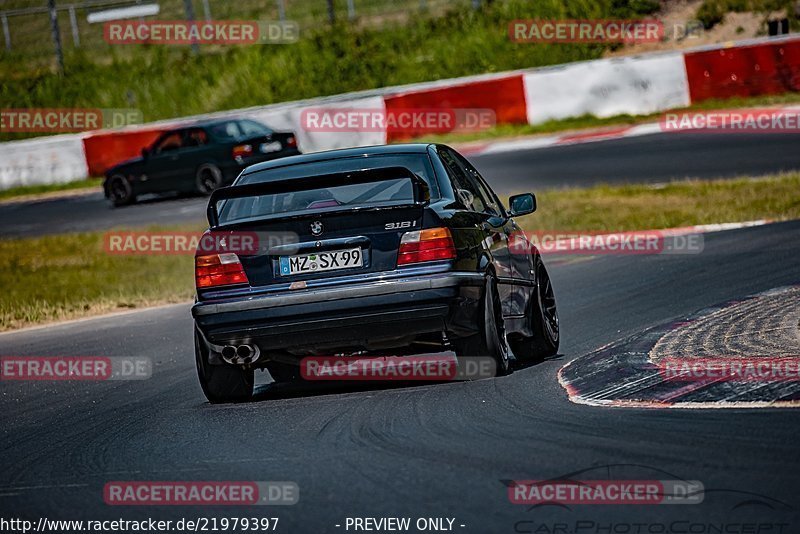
[491,341]
[119,191]
[222,383]
[209,177]
[544,321]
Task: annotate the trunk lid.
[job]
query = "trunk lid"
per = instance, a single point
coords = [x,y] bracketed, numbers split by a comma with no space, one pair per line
[323,226]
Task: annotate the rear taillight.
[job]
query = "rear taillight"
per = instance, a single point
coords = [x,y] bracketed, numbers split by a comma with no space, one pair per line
[218,270]
[426,245]
[291,141]
[242,151]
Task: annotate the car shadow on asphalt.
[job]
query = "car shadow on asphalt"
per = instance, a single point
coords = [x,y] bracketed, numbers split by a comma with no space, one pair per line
[295,390]
[521,365]
[300,389]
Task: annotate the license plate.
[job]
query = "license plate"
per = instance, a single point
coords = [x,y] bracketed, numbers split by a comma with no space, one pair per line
[321,261]
[270,147]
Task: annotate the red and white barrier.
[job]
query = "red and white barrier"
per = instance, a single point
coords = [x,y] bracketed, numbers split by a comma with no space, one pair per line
[628,85]
[106,149]
[43,160]
[505,96]
[745,70]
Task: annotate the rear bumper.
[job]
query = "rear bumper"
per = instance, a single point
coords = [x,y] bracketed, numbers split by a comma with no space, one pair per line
[354,315]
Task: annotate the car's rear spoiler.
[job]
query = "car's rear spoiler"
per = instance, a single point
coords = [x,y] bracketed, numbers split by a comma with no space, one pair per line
[290,185]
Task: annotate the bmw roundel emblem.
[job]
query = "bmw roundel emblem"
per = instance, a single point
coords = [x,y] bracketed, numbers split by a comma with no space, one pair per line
[316,228]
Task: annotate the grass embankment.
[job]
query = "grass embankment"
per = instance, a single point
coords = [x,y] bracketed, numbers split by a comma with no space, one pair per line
[67,276]
[675,204]
[167,82]
[42,191]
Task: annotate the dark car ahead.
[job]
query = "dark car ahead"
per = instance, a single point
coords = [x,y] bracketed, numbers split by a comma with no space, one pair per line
[197,158]
[365,250]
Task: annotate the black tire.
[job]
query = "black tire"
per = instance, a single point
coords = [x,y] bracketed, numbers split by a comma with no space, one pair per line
[120,192]
[491,341]
[207,179]
[222,383]
[544,321]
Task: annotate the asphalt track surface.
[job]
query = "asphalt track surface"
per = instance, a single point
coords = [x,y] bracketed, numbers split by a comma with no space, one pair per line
[644,159]
[438,450]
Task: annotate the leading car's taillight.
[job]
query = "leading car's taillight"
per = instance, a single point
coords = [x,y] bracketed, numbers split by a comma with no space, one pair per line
[426,245]
[242,151]
[218,270]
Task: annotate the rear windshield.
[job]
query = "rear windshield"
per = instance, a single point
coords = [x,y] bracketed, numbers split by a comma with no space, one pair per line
[386,192]
[252,128]
[225,131]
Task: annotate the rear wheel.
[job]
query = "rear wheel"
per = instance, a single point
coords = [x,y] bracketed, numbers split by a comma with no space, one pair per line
[209,178]
[544,321]
[120,191]
[222,383]
[491,340]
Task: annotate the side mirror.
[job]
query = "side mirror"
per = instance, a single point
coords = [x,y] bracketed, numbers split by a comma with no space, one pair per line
[521,204]
[145,153]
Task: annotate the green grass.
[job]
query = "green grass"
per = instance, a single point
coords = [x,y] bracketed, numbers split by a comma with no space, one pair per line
[167,82]
[31,39]
[37,190]
[67,276]
[51,278]
[670,205]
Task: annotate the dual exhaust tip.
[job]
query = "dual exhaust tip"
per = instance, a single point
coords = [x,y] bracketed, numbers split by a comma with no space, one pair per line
[240,354]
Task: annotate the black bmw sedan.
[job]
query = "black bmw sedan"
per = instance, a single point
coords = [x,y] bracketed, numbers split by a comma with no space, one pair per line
[376,250]
[196,158]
